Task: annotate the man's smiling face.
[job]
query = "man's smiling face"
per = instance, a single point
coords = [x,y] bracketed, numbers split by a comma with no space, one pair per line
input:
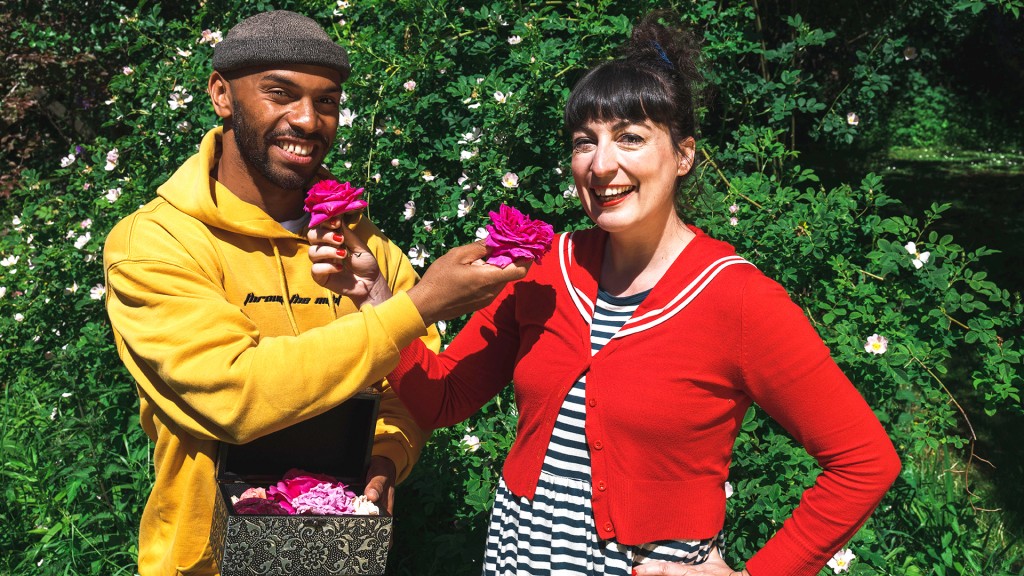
[285,120]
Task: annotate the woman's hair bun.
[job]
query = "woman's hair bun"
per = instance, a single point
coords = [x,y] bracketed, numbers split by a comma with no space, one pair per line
[661,40]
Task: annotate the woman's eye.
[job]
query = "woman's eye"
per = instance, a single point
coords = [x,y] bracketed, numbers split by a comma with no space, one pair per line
[580,144]
[631,139]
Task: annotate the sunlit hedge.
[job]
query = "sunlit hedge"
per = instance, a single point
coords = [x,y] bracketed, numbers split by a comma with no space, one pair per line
[452,109]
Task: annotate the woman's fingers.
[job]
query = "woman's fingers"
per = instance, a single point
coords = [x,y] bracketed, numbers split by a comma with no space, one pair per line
[328,254]
[355,243]
[342,263]
[329,231]
[715,565]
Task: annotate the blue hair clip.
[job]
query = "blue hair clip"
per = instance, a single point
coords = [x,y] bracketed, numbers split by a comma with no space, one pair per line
[661,52]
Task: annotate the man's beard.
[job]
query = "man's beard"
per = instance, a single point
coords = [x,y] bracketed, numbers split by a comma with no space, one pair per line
[255,151]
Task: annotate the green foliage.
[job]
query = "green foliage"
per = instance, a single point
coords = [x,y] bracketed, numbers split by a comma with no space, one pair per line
[976,6]
[927,117]
[491,78]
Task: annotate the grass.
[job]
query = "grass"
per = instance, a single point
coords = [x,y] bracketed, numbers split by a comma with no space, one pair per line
[959,162]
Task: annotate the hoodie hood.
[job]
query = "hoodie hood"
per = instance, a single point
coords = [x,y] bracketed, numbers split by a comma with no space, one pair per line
[193,190]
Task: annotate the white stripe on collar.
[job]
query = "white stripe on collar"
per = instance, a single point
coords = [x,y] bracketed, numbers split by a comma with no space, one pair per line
[653,317]
[681,300]
[583,303]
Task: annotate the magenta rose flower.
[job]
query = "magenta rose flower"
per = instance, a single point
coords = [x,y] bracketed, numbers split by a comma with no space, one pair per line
[259,506]
[301,492]
[294,483]
[325,499]
[329,198]
[513,235]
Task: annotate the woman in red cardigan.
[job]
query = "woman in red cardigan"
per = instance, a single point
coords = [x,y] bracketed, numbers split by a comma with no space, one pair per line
[635,348]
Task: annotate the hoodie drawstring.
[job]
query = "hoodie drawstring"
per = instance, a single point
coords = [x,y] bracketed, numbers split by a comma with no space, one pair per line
[284,288]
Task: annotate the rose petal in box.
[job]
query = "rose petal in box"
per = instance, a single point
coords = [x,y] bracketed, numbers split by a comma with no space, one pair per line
[338,443]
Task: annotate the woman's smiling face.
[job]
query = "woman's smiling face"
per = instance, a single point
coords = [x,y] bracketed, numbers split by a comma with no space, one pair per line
[626,173]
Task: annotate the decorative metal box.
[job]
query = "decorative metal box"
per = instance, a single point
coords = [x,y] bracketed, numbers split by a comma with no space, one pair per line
[337,442]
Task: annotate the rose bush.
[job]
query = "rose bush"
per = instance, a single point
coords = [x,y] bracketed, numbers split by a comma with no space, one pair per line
[452,111]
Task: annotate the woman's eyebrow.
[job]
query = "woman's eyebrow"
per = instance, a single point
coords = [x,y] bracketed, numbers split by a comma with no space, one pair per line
[624,123]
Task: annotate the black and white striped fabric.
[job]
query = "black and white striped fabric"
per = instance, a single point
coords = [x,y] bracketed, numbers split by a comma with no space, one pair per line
[554,534]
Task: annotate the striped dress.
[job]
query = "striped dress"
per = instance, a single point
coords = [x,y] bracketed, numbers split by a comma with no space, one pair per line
[554,534]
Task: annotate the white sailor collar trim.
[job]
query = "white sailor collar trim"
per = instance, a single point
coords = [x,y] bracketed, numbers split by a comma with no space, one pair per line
[650,318]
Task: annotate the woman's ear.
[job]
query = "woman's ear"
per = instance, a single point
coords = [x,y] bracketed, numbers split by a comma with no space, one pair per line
[687,151]
[219,90]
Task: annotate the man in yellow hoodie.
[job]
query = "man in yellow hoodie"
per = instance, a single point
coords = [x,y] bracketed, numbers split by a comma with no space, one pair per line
[213,306]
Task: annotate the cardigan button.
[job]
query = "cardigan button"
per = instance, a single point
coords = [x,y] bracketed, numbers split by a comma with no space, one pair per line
[592,402]
[602,486]
[607,526]
[598,445]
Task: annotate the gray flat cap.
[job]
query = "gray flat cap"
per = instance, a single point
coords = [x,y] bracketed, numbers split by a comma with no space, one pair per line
[279,37]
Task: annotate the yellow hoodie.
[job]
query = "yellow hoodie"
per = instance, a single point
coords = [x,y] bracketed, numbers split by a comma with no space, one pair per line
[217,317]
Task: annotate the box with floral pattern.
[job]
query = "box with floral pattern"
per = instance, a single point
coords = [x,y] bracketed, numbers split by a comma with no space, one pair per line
[288,500]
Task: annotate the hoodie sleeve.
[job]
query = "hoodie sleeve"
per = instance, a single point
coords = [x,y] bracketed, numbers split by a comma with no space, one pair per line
[203,363]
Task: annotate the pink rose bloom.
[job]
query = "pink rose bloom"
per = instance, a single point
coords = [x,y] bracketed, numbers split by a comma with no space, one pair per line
[329,198]
[325,499]
[294,483]
[254,492]
[259,506]
[513,235]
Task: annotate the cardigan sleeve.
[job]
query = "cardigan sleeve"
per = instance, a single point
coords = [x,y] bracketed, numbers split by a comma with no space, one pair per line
[444,389]
[789,372]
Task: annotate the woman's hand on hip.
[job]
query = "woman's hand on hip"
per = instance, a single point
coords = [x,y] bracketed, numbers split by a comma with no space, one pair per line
[714,566]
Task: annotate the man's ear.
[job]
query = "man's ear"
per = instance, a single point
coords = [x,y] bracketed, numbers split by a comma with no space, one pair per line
[220,95]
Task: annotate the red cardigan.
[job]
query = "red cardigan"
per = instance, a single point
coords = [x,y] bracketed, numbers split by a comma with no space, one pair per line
[666,398]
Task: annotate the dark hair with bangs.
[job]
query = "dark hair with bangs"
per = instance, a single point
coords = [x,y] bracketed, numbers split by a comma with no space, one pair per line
[620,90]
[656,78]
